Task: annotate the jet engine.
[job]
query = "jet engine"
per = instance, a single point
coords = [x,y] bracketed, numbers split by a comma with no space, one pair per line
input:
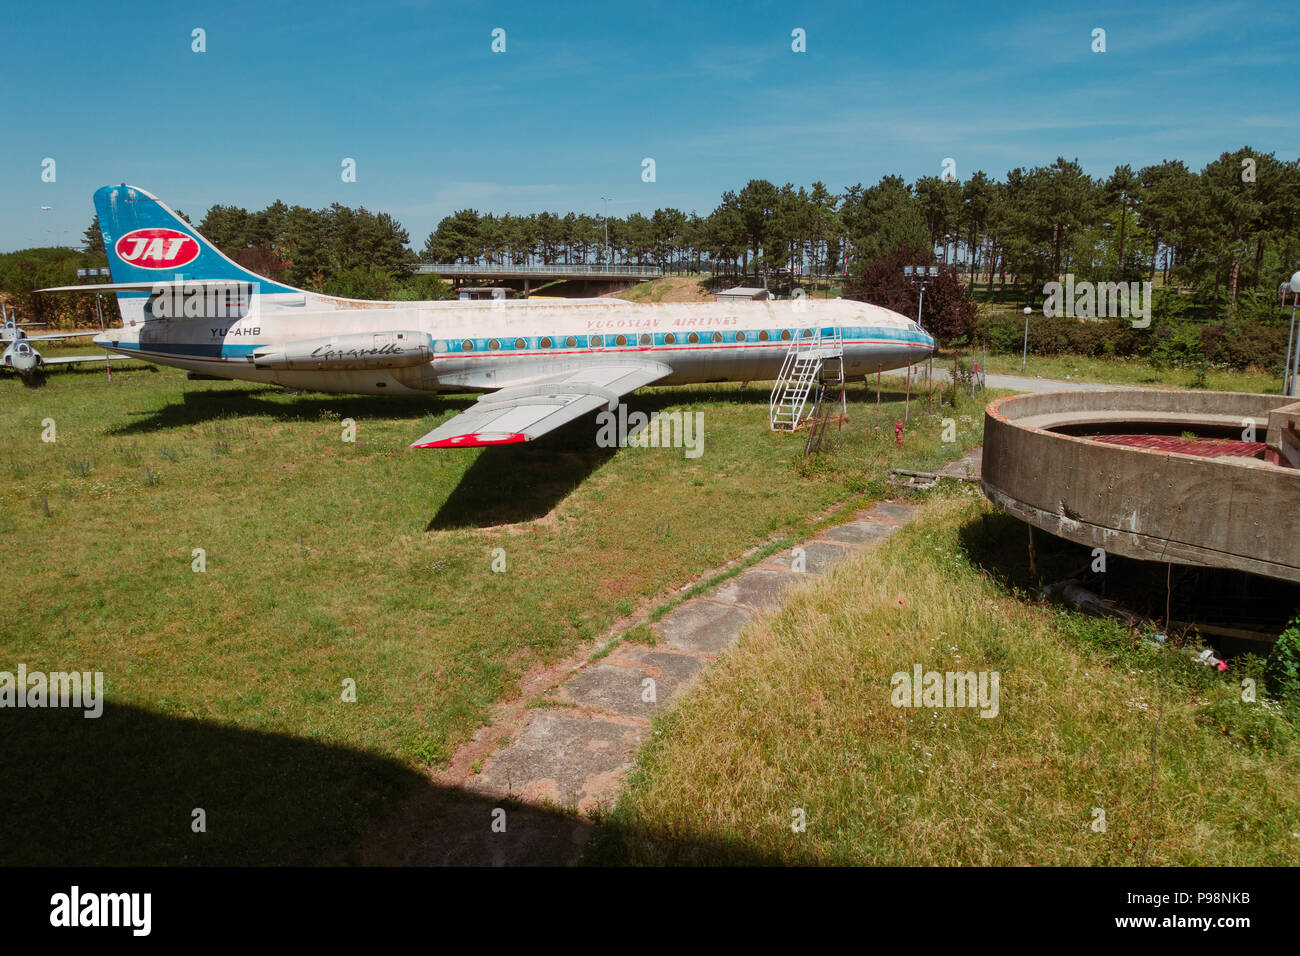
[358,350]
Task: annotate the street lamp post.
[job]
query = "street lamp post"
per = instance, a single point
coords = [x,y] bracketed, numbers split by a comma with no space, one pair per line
[609,253]
[1024,357]
[1295,362]
[1290,339]
[920,272]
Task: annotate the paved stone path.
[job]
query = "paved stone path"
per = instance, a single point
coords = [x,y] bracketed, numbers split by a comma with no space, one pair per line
[571,756]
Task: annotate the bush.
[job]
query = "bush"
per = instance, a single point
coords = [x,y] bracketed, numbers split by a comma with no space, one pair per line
[948,313]
[1282,669]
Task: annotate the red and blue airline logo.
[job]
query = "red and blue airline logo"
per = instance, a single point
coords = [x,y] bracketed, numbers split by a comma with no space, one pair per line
[157,248]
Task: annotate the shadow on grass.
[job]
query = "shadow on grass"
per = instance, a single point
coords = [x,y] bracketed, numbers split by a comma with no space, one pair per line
[122,789]
[199,406]
[42,376]
[508,484]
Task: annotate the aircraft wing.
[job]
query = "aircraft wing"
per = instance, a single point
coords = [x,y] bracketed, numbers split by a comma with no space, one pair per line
[72,359]
[55,336]
[527,411]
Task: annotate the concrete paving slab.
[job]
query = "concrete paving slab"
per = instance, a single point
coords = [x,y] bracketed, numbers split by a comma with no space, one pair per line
[893,511]
[757,587]
[860,532]
[465,836]
[968,466]
[620,687]
[819,556]
[571,760]
[703,626]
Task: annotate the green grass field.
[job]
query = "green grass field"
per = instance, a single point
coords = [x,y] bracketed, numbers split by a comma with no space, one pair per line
[329,561]
[1091,720]
[1123,372]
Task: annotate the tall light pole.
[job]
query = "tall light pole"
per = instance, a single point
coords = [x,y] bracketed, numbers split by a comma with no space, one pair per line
[1283,289]
[1295,362]
[609,253]
[1024,357]
[920,272]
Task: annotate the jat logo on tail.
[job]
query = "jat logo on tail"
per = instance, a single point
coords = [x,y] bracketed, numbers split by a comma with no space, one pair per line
[157,248]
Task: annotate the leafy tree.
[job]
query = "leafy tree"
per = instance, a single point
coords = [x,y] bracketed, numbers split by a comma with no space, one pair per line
[947,311]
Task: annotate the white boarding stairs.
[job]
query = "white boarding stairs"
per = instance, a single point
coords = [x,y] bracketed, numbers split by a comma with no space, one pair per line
[802,372]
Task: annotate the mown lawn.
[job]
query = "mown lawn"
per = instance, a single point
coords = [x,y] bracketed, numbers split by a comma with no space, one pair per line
[327,562]
[1125,371]
[798,717]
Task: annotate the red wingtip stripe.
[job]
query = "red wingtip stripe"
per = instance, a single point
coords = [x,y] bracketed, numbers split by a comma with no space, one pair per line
[476,440]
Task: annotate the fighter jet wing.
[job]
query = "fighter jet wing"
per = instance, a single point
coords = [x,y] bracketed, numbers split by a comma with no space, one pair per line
[73,359]
[524,412]
[55,336]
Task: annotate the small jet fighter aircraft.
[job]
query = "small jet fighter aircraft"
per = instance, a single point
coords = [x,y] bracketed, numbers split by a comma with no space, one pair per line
[22,357]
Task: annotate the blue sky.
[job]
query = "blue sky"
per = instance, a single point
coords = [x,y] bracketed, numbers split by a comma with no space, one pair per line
[712,92]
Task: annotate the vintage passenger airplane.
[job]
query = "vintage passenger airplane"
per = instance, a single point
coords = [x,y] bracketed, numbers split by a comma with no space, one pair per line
[187,305]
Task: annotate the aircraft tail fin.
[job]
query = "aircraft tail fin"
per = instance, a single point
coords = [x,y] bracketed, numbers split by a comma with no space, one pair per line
[148,242]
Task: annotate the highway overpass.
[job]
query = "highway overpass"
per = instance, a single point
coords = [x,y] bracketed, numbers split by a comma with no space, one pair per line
[586,278]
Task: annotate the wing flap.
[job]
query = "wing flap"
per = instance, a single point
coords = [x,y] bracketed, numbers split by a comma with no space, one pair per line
[525,412]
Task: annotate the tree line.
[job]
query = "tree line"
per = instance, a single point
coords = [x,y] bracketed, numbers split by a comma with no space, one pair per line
[1218,231]
[1229,226]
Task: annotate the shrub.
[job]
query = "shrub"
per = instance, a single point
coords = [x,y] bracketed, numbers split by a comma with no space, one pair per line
[1282,669]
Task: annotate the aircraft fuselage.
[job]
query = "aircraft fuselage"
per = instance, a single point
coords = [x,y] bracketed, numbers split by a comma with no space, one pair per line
[482,346]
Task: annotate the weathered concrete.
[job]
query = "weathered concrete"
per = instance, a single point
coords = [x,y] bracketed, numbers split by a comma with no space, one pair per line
[818,556]
[703,626]
[1283,441]
[567,759]
[1141,503]
[860,532]
[619,685]
[757,587]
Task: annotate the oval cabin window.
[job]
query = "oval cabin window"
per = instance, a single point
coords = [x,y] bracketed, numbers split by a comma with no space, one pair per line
[570,342]
[545,342]
[717,336]
[520,344]
[740,336]
[467,345]
[621,340]
[596,341]
[692,338]
[645,338]
[493,345]
[670,339]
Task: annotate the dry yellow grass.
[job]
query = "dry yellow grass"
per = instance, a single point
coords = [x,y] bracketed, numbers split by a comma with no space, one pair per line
[798,716]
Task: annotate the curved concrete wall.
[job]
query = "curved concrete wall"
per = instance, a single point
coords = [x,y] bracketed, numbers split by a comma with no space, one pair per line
[1156,506]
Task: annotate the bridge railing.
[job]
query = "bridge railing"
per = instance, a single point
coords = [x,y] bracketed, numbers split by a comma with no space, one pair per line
[478,268]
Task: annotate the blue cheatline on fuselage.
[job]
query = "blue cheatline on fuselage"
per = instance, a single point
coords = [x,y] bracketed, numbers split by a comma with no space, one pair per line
[486,348]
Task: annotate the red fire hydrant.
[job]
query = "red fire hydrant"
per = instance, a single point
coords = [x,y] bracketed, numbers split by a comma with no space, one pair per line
[898,433]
